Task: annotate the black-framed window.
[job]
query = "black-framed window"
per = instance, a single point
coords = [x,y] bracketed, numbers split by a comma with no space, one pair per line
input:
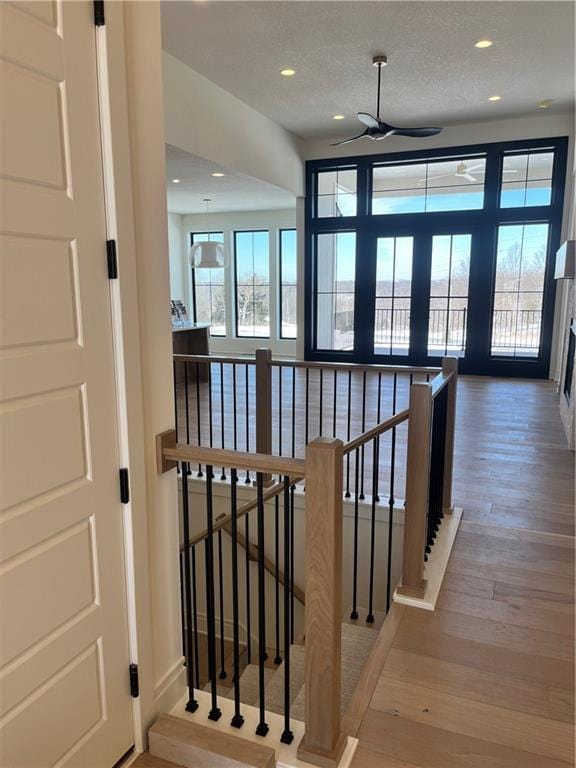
[287,267]
[252,283]
[336,280]
[208,291]
[458,204]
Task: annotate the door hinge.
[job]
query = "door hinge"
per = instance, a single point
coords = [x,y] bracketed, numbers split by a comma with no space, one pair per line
[112,260]
[124,486]
[99,19]
[134,682]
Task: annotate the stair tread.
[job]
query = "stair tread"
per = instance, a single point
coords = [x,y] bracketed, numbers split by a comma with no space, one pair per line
[249,682]
[357,643]
[275,687]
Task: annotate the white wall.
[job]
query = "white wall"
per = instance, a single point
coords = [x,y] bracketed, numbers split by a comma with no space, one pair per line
[177,265]
[228,223]
[205,120]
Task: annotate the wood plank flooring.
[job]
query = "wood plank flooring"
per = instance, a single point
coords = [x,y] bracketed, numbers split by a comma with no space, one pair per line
[487,679]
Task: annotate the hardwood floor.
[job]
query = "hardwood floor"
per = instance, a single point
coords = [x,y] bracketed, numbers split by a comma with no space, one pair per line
[487,679]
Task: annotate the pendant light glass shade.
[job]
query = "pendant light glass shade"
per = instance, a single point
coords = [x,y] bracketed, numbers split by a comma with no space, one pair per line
[207,254]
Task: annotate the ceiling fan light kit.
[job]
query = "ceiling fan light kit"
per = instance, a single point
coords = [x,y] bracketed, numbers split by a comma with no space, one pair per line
[377,129]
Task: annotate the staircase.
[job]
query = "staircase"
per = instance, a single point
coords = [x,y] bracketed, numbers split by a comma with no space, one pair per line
[357,642]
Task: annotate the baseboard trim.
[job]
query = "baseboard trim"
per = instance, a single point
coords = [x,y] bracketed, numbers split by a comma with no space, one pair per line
[435,568]
[170,688]
[286,754]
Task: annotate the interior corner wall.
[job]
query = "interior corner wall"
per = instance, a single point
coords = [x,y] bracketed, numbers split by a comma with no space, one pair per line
[178,274]
[146,133]
[207,121]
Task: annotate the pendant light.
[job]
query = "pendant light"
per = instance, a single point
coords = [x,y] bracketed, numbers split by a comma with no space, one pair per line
[207,254]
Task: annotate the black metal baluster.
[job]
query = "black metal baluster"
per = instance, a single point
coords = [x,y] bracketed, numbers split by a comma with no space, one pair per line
[334,401]
[191,704]
[215,712]
[187,407]
[234,410]
[237,721]
[247,382]
[277,658]
[279,410]
[262,727]
[287,735]
[248,601]
[176,425]
[293,411]
[185,618]
[391,500]
[363,430]
[291,572]
[306,406]
[321,402]
[378,416]
[223,674]
[370,617]
[198,419]
[195,615]
[347,493]
[354,613]
[222,431]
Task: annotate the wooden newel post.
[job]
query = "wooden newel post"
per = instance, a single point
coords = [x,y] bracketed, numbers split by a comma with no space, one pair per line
[323,742]
[417,486]
[449,365]
[264,403]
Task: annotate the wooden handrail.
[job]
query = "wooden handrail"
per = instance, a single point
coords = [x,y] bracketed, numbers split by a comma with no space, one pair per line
[354,366]
[370,434]
[216,359]
[317,364]
[221,457]
[223,520]
[439,382]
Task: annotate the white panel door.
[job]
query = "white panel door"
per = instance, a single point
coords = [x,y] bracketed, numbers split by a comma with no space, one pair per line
[65,697]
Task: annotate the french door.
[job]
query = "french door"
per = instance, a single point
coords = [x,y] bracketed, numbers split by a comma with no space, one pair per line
[421,295]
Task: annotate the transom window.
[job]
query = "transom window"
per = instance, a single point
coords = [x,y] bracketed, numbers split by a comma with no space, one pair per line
[526,179]
[421,187]
[336,193]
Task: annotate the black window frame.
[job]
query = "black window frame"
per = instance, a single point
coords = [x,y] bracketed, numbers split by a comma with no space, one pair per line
[482,223]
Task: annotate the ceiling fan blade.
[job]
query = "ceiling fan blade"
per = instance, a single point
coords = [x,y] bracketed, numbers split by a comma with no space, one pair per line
[368,120]
[347,141]
[415,132]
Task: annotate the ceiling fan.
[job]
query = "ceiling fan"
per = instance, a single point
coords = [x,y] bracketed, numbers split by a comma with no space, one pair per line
[464,171]
[376,129]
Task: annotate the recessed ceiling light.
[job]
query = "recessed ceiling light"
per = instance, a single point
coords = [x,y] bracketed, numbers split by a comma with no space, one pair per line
[288,72]
[545,103]
[338,117]
[483,44]
[175,181]
[217,174]
[494,98]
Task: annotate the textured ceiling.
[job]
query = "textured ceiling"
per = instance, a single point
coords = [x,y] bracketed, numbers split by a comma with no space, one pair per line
[233,192]
[435,75]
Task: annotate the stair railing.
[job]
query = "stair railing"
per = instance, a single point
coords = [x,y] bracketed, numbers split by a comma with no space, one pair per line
[430,444]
